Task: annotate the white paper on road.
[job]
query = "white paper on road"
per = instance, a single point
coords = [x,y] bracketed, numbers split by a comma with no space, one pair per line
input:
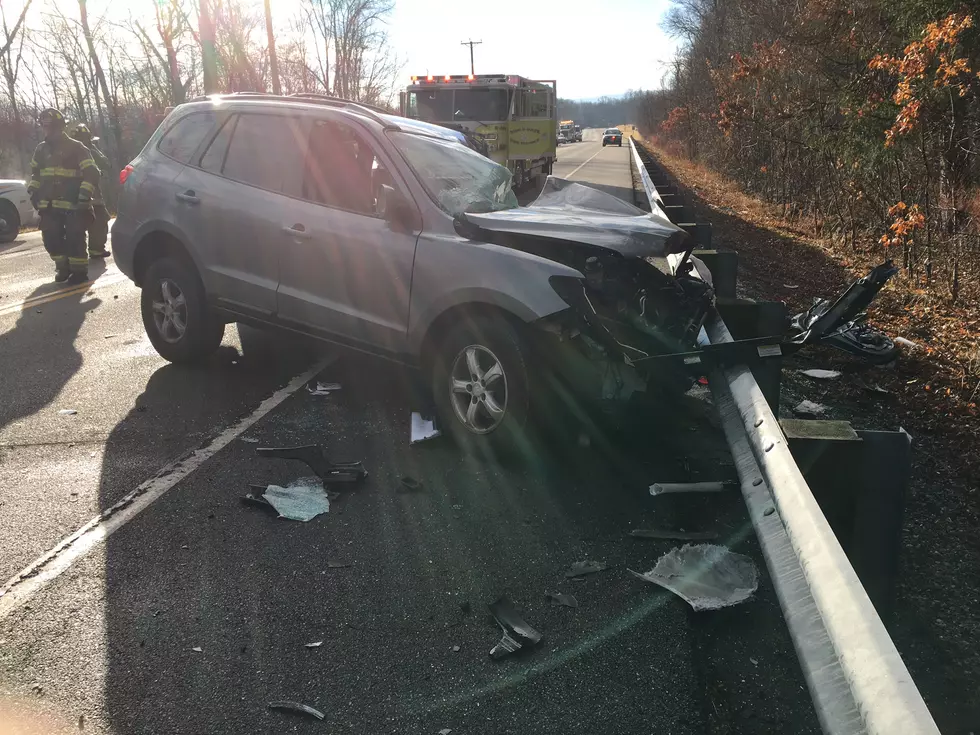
[809,408]
[423,429]
[706,576]
[821,374]
[303,500]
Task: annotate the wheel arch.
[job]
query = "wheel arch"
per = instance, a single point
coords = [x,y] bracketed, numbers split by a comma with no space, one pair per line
[448,318]
[156,244]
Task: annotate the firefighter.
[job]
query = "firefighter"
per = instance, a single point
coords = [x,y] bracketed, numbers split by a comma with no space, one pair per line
[98,231]
[64,178]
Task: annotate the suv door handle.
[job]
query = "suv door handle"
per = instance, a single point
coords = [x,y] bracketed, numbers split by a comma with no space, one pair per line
[298,231]
[188,196]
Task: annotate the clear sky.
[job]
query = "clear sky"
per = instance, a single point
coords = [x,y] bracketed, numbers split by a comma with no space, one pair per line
[600,47]
[590,48]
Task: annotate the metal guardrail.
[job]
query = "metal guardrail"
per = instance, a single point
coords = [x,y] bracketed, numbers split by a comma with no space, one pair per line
[857,680]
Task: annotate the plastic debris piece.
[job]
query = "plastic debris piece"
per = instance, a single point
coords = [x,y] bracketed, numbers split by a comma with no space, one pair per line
[790,285]
[657,533]
[754,661]
[249,440]
[322,389]
[423,429]
[560,598]
[315,458]
[67,412]
[664,488]
[581,568]
[809,408]
[444,731]
[819,374]
[517,633]
[706,576]
[197,649]
[338,564]
[905,342]
[455,649]
[314,644]
[410,483]
[297,707]
[302,501]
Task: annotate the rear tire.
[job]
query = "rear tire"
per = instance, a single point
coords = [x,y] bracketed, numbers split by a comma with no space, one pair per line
[483,414]
[9,214]
[176,315]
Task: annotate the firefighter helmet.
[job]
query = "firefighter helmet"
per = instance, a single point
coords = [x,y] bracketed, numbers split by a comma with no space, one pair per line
[80,132]
[51,115]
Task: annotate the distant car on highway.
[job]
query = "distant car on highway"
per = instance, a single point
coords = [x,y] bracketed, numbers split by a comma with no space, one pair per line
[16,210]
[391,237]
[562,139]
[612,136]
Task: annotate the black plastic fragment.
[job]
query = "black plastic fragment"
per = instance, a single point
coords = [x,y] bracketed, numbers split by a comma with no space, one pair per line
[517,633]
[317,460]
[298,708]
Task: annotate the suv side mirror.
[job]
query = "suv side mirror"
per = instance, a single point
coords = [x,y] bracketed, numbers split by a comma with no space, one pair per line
[397,210]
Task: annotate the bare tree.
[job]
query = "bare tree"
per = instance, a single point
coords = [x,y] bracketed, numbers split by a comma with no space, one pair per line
[109,99]
[10,62]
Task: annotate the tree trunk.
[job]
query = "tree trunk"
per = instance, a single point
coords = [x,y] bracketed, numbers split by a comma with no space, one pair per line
[113,108]
[273,58]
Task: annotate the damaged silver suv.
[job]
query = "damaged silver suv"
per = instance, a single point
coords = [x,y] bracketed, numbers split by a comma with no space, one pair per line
[327,218]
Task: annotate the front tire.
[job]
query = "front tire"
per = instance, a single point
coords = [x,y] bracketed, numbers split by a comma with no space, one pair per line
[11,227]
[175,312]
[481,385]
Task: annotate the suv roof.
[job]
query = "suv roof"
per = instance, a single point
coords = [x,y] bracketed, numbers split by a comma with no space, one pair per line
[370,111]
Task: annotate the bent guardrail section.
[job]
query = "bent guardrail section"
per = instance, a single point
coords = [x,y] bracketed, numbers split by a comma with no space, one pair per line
[857,679]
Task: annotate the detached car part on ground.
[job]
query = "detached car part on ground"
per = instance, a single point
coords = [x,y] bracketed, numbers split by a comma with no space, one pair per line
[580,295]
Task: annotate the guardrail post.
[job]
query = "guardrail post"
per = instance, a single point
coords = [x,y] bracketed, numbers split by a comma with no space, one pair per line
[747,319]
[865,502]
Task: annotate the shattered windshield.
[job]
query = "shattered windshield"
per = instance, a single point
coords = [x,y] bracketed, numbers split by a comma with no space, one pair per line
[459,179]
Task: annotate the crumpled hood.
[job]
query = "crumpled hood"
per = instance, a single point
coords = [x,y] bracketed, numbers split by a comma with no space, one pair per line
[569,211]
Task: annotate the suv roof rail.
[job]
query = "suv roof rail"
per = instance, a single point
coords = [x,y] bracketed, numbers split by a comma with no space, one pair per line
[370,111]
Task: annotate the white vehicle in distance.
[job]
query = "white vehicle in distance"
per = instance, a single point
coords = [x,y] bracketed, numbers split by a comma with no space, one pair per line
[16,210]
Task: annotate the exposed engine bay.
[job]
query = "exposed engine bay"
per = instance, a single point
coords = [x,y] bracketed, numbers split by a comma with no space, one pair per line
[629,305]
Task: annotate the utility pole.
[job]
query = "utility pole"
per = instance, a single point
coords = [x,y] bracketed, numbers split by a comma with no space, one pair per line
[209,54]
[273,58]
[471,44]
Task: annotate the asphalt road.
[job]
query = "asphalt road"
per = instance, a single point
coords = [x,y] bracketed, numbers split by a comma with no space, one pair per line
[394,584]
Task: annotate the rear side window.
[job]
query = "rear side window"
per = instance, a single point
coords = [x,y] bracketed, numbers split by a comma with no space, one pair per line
[262,149]
[180,142]
[214,157]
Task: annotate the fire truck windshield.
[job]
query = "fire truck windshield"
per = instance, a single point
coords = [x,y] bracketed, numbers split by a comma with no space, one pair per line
[486,105]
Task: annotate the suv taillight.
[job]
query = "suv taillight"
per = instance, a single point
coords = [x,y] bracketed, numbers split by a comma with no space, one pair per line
[124,174]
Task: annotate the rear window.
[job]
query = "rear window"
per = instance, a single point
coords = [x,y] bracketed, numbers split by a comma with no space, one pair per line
[180,142]
[612,131]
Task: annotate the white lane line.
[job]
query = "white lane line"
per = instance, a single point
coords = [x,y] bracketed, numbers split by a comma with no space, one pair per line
[581,165]
[36,575]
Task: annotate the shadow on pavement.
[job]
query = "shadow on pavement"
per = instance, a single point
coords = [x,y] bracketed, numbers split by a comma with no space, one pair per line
[211,604]
[38,356]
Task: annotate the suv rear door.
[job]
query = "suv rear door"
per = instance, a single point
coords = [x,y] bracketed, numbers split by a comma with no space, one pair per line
[231,198]
[350,273]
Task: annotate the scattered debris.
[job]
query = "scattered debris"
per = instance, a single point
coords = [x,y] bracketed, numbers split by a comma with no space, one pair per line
[81,722]
[74,497]
[316,459]
[809,408]
[197,649]
[322,389]
[108,336]
[302,500]
[706,576]
[410,483]
[423,428]
[67,412]
[754,661]
[338,564]
[873,388]
[249,440]
[455,649]
[790,285]
[657,533]
[560,598]
[664,488]
[581,568]
[298,708]
[444,731]
[517,633]
[819,374]
[314,644]
[906,343]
